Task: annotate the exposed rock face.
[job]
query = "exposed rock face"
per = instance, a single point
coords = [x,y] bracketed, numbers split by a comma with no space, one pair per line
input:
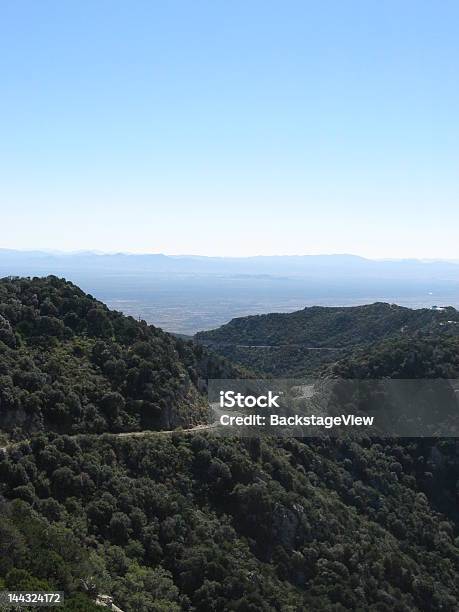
[285,522]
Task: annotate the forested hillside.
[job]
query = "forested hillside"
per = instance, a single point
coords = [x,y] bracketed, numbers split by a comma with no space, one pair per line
[422,356]
[298,343]
[198,523]
[69,364]
[164,522]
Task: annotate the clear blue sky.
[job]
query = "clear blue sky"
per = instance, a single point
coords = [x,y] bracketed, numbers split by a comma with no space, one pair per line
[230,127]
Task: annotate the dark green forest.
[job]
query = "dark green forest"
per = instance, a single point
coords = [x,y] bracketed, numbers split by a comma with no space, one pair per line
[173,520]
[299,343]
[70,365]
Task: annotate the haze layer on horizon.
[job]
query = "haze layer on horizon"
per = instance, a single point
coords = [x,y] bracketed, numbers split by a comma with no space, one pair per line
[313,257]
[231,129]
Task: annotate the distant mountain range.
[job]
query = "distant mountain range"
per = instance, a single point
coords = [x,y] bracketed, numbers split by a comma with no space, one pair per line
[43,262]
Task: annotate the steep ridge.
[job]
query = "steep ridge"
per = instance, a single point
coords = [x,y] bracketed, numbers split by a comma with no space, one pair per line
[69,364]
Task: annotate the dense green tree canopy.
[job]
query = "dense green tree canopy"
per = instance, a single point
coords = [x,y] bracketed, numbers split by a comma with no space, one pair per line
[187,521]
[69,364]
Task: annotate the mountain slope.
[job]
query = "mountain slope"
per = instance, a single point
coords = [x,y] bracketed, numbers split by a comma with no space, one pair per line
[193,522]
[199,523]
[423,357]
[69,364]
[299,342]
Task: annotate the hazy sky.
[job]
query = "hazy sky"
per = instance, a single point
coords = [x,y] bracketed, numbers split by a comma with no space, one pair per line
[230,127]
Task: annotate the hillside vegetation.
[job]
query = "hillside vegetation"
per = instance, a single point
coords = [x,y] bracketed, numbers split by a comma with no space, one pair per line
[298,343]
[199,523]
[165,522]
[69,364]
